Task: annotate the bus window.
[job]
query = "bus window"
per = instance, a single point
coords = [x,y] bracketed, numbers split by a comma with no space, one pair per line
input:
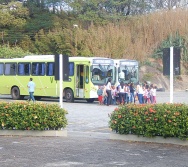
[27,68]
[109,73]
[71,69]
[95,74]
[24,68]
[50,69]
[87,74]
[10,68]
[1,68]
[42,67]
[38,68]
[101,73]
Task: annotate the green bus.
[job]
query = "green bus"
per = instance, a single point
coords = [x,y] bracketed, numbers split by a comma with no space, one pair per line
[85,75]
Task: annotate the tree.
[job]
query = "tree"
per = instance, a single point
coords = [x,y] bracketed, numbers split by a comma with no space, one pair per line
[8,52]
[99,11]
[165,4]
[12,21]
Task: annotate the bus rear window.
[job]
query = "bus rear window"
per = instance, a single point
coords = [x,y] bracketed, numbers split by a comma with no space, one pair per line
[10,68]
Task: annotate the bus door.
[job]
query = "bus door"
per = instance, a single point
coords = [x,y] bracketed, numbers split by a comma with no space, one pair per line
[80,81]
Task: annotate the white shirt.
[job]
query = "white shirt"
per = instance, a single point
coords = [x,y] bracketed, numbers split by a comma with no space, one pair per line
[140,90]
[154,92]
[31,86]
[108,86]
[122,75]
[122,90]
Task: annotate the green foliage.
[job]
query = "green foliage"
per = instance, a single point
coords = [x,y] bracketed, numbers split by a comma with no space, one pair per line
[175,41]
[103,11]
[26,116]
[166,120]
[51,43]
[12,22]
[105,28]
[7,52]
[40,21]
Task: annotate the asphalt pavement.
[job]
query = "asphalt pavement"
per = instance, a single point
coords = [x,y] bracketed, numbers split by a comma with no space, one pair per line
[87,152]
[88,143]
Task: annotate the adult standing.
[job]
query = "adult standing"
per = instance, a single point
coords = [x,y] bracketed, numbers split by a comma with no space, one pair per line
[132,90]
[108,91]
[127,93]
[122,93]
[31,89]
[140,93]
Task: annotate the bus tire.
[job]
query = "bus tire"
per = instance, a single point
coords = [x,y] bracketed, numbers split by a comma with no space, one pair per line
[15,93]
[69,96]
[90,100]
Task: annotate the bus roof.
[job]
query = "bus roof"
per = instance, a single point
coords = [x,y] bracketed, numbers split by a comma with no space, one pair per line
[39,57]
[126,62]
[30,58]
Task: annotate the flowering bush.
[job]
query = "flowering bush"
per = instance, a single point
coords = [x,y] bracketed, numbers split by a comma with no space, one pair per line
[26,116]
[167,120]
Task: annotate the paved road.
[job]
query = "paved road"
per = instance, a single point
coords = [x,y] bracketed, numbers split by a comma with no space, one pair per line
[87,152]
[88,143]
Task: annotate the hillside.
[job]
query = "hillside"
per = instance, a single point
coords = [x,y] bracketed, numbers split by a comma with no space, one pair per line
[154,74]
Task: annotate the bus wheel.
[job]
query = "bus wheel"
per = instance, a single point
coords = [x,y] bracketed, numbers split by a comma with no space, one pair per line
[69,95]
[90,100]
[15,93]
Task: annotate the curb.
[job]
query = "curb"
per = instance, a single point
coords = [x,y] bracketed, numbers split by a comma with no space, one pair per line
[88,134]
[49,133]
[157,139]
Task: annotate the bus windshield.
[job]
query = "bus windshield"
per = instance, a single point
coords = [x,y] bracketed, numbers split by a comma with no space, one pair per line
[128,74]
[100,74]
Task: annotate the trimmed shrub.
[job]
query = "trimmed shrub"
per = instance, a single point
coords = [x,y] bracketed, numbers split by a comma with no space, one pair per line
[27,116]
[149,120]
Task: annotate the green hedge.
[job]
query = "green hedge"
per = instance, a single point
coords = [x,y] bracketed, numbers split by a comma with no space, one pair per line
[167,120]
[27,116]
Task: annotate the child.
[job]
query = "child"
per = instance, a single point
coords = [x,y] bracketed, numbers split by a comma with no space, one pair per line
[117,95]
[148,95]
[151,93]
[154,94]
[104,95]
[99,93]
[113,95]
[145,94]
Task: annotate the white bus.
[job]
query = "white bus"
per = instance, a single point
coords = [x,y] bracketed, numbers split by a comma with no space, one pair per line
[126,71]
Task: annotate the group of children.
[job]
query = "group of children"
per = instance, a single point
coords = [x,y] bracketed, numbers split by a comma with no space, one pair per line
[128,93]
[147,93]
[102,95]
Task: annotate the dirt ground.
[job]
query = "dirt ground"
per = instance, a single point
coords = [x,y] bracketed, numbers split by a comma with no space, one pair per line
[154,73]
